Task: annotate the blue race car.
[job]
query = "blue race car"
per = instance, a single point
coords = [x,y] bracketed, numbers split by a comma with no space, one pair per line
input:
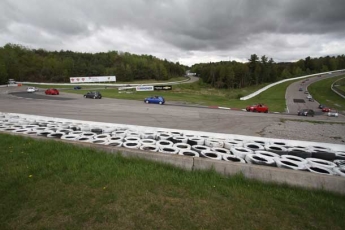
[77,87]
[155,99]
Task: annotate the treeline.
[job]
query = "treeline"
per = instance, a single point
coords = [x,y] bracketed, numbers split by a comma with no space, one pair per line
[23,64]
[262,70]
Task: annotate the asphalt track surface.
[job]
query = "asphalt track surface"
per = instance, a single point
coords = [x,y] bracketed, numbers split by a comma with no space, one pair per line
[292,92]
[175,116]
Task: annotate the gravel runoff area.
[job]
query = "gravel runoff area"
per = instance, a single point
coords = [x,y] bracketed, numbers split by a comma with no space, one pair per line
[306,131]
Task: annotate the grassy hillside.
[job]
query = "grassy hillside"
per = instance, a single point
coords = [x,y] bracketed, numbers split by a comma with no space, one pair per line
[52,185]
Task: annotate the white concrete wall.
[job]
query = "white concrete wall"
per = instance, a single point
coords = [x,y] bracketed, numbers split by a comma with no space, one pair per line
[285,80]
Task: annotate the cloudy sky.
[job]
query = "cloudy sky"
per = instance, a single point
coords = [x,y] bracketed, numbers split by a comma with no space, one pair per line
[188,31]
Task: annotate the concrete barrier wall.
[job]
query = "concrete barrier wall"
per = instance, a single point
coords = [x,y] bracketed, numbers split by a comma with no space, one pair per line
[260,173]
[107,84]
[276,175]
[334,89]
[285,80]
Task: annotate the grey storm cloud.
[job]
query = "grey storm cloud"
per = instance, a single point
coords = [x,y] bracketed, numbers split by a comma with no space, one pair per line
[177,29]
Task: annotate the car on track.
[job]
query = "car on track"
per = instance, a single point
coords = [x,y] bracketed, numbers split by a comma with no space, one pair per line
[300,89]
[260,108]
[306,92]
[309,96]
[93,94]
[52,92]
[311,99]
[31,89]
[306,112]
[326,109]
[321,106]
[333,113]
[155,100]
[77,87]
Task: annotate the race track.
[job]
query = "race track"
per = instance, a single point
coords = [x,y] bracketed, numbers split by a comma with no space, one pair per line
[74,106]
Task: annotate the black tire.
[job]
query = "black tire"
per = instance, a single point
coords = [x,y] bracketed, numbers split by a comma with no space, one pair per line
[254,110]
[94,97]
[266,111]
[146,102]
[160,103]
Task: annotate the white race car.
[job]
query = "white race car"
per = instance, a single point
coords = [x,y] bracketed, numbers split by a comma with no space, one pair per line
[31,89]
[333,113]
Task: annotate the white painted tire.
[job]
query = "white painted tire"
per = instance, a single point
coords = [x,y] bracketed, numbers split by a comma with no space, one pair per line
[319,170]
[101,136]
[298,160]
[132,139]
[315,162]
[233,158]
[231,143]
[21,130]
[131,145]
[253,146]
[339,163]
[188,152]
[148,142]
[45,132]
[289,164]
[241,151]
[116,143]
[340,155]
[214,143]
[164,136]
[211,155]
[179,139]
[65,131]
[56,135]
[221,150]
[132,134]
[31,132]
[168,150]
[339,171]
[195,141]
[108,129]
[151,148]
[182,146]
[149,135]
[281,150]
[84,139]
[176,133]
[164,143]
[119,133]
[259,160]
[200,148]
[79,133]
[99,141]
[70,137]
[88,134]
[267,154]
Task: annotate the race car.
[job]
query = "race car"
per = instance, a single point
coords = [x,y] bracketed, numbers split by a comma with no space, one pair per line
[260,108]
[52,92]
[31,89]
[333,113]
[326,109]
[93,94]
[155,99]
[306,112]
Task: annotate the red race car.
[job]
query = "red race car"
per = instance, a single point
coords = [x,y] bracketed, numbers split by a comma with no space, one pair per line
[260,108]
[326,109]
[52,92]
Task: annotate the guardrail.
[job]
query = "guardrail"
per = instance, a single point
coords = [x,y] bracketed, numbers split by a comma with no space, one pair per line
[108,84]
[337,90]
[285,80]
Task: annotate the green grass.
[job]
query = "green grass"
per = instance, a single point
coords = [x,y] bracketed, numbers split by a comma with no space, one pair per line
[52,185]
[322,93]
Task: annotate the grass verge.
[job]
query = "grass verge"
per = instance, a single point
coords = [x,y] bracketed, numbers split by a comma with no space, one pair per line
[321,91]
[52,185]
